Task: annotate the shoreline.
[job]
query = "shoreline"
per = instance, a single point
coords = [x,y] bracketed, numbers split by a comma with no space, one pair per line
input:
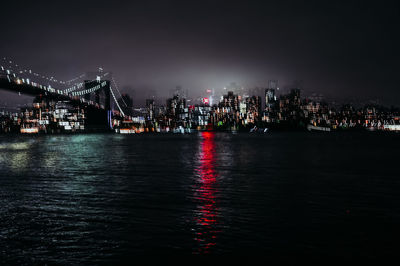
[241,132]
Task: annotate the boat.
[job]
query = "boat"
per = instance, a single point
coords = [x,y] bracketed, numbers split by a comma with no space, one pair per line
[318,128]
[30,130]
[258,130]
[391,127]
[126,127]
[126,131]
[179,130]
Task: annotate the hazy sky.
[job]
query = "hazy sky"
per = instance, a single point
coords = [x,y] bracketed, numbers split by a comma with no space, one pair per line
[340,49]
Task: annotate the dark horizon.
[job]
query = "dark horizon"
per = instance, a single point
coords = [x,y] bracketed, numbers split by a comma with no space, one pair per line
[341,50]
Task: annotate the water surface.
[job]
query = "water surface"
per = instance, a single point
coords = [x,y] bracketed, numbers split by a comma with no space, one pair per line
[97,198]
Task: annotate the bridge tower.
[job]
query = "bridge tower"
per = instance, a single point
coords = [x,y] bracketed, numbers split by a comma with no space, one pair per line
[99,116]
[102,96]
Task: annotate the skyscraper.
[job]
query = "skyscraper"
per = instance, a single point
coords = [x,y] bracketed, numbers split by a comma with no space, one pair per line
[150,109]
[253,106]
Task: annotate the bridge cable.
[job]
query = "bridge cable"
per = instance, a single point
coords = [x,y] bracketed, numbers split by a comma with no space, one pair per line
[116,87]
[115,99]
[21,70]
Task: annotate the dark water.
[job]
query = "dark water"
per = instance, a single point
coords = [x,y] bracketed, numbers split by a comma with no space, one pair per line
[102,198]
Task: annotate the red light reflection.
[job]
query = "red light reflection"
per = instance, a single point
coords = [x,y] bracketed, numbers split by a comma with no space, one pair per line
[206,212]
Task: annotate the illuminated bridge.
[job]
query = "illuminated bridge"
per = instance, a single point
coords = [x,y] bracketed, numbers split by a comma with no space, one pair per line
[80,90]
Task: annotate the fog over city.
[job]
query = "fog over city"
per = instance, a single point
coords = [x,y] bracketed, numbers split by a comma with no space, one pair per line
[339,49]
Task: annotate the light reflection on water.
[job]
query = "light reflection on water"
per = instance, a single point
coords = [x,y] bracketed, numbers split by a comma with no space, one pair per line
[15,155]
[206,213]
[73,199]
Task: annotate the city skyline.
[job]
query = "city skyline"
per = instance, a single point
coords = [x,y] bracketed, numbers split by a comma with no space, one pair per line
[336,49]
[242,128]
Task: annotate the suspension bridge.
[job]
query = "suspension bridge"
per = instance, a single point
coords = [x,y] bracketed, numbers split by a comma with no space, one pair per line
[96,94]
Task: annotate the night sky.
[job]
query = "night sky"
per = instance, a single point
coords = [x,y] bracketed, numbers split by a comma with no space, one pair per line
[340,49]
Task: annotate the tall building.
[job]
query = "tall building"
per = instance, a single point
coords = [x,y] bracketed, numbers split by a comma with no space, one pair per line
[230,101]
[177,112]
[290,105]
[150,109]
[228,110]
[270,105]
[253,109]
[201,116]
[295,97]
[270,98]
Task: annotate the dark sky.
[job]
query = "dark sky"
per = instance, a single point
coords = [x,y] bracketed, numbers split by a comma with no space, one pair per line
[340,49]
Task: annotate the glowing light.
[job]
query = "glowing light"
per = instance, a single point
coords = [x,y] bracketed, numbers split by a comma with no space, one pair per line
[206,214]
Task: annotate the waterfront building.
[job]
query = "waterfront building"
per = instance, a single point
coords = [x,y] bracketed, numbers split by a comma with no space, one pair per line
[253,110]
